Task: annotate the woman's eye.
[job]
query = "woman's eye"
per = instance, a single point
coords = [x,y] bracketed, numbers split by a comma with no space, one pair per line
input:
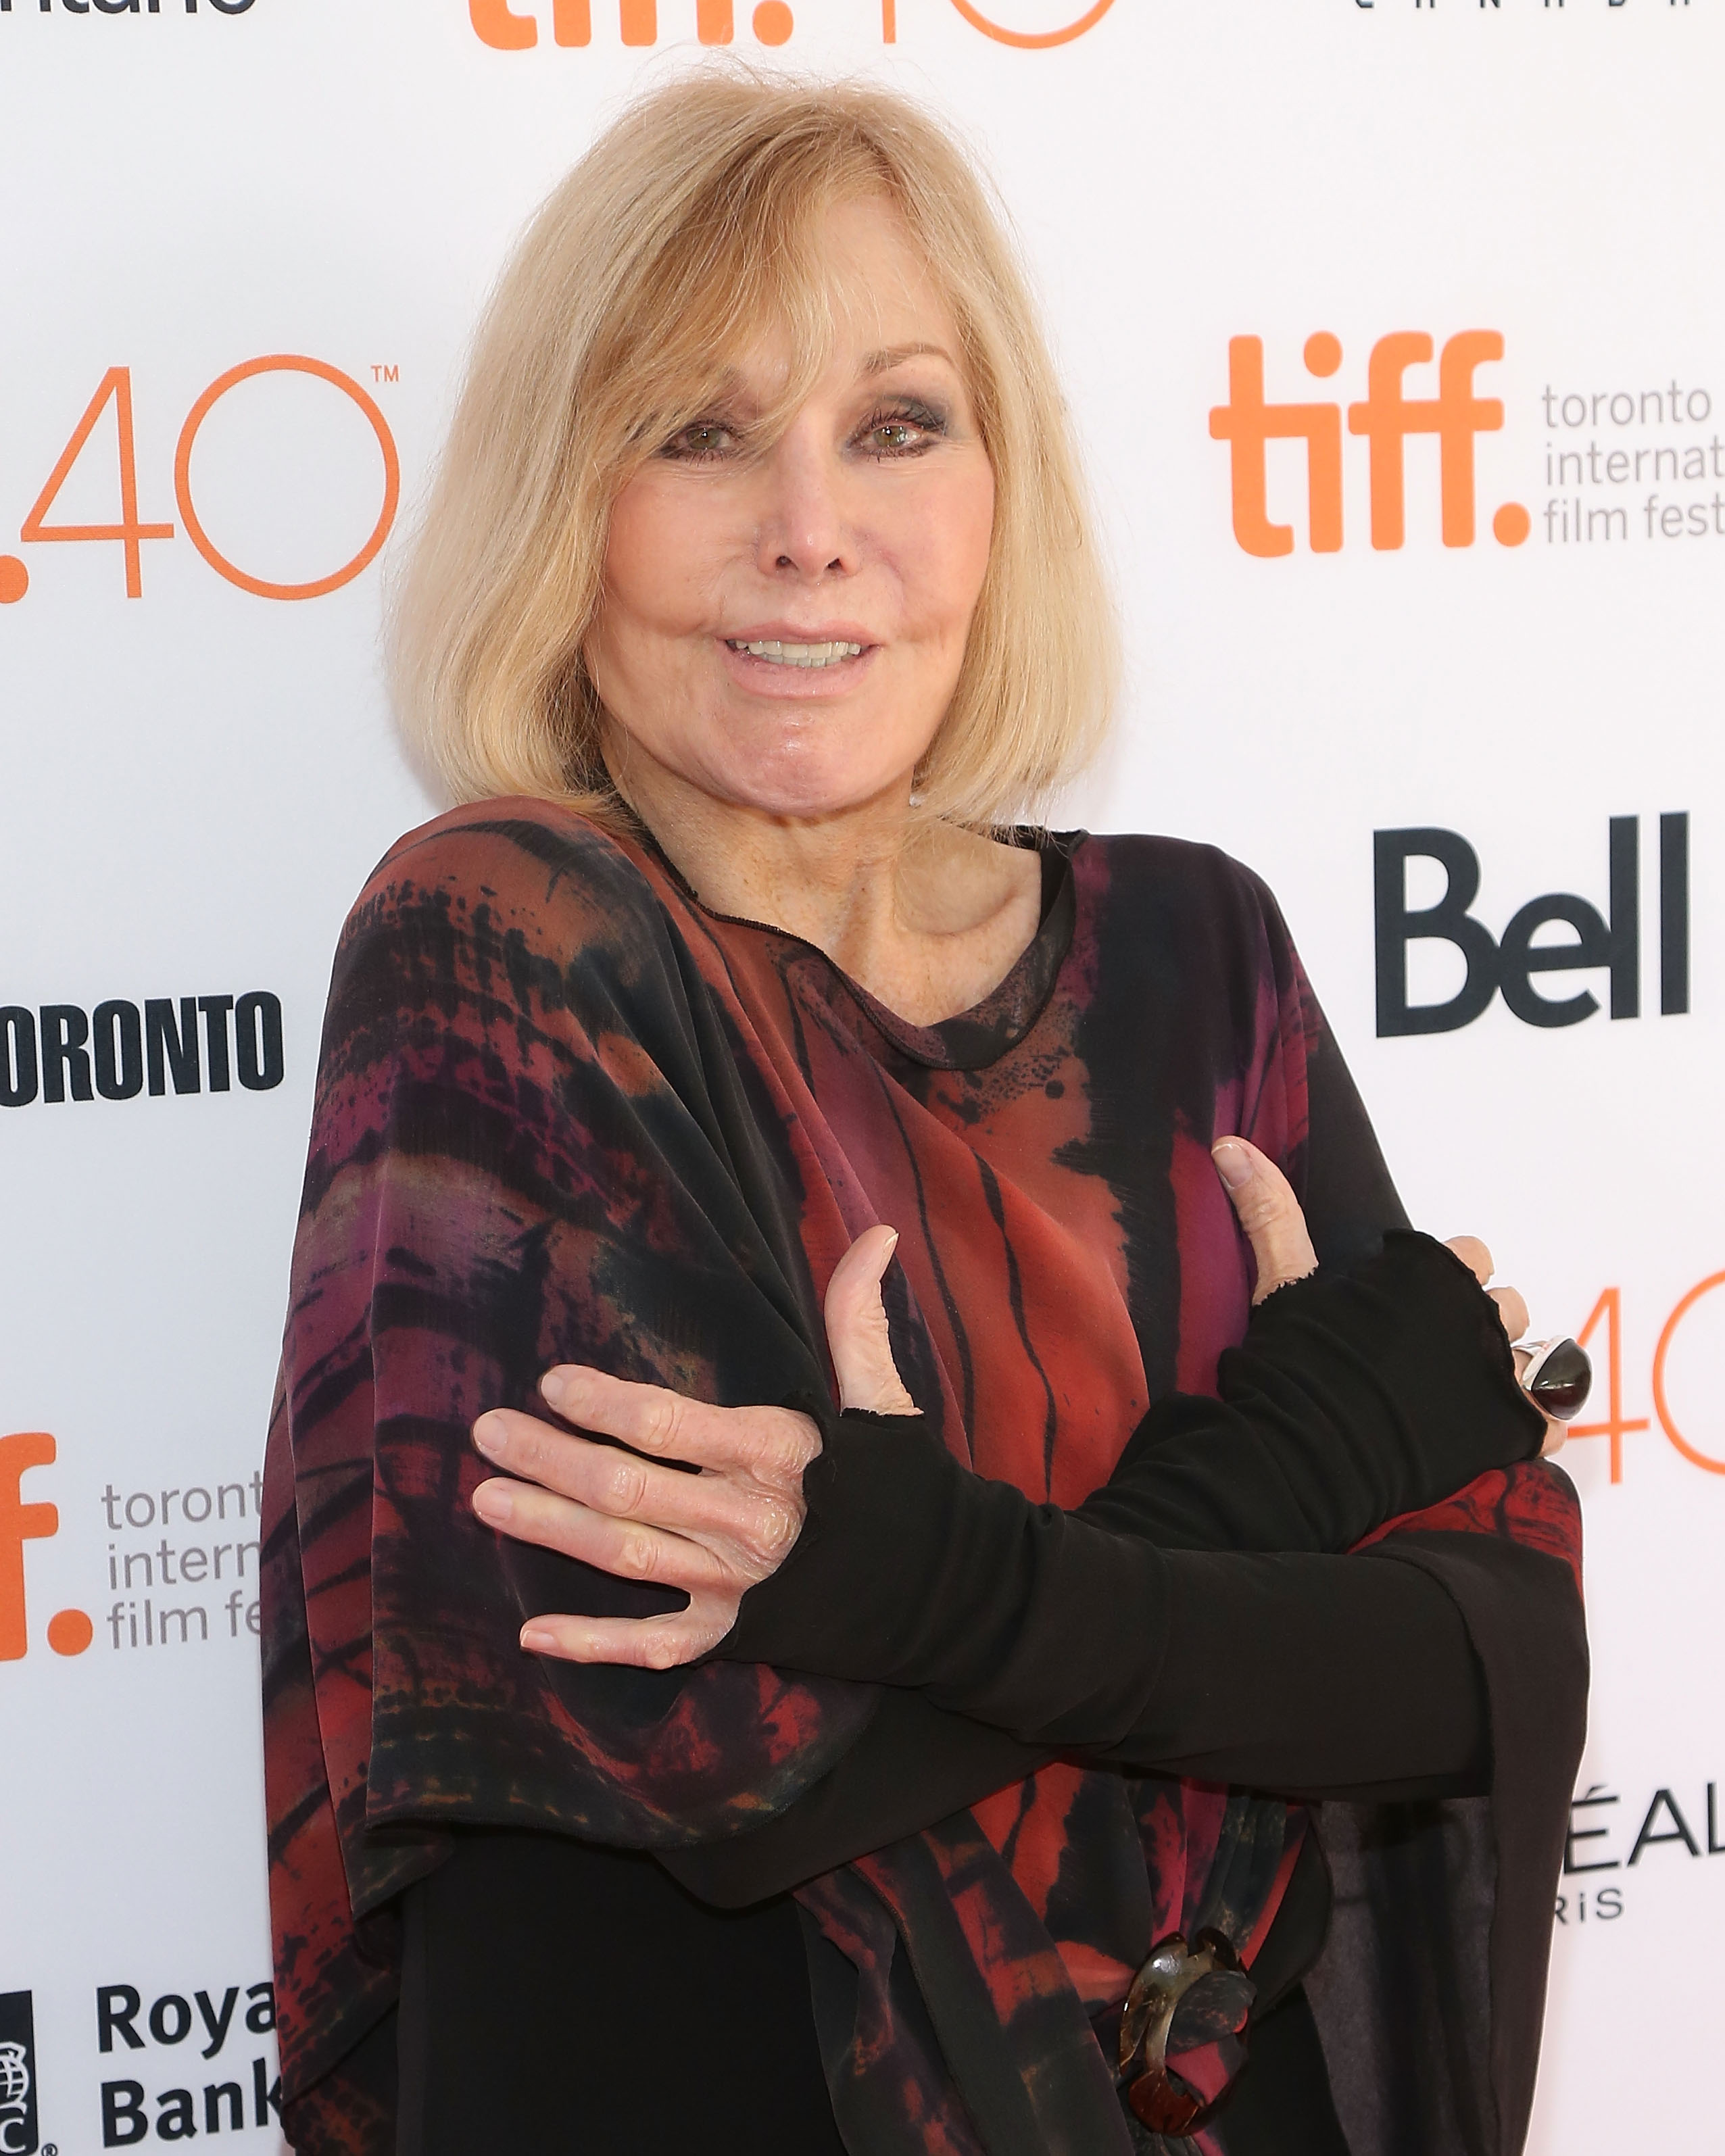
[902,433]
[705,438]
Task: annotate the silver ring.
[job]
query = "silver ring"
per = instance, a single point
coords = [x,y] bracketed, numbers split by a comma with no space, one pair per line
[1559,1377]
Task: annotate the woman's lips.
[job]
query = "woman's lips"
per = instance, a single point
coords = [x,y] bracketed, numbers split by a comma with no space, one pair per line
[785,666]
[777,651]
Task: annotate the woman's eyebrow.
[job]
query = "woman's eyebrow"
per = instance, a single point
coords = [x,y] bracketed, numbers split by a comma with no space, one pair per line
[883,362]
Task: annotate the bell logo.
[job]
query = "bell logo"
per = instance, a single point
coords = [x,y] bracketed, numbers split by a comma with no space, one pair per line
[1247,422]
[69,1631]
[1609,942]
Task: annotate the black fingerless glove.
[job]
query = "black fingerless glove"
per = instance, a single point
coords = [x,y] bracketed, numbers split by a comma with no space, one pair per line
[1354,1398]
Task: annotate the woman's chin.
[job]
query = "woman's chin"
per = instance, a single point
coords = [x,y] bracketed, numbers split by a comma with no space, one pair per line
[803,778]
[817,800]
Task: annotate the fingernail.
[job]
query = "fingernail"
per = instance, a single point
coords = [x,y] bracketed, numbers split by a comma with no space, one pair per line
[551,1386]
[892,1241]
[493,1503]
[1233,1163]
[538,1642]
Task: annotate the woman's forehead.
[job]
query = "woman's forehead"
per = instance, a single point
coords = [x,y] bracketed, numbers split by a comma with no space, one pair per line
[871,303]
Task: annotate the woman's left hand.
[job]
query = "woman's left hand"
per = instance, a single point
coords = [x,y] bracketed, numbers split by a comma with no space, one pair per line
[713,1534]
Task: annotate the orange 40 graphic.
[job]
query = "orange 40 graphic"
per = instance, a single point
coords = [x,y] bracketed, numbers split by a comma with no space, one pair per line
[1608,1312]
[130,531]
[1387,415]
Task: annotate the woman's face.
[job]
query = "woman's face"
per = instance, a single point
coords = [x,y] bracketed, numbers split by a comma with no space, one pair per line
[781,627]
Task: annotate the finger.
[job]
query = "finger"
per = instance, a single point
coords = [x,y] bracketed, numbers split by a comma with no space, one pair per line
[1269,1212]
[857,1332]
[605,1479]
[772,1443]
[1511,1308]
[628,1549]
[1474,1255]
[642,1643]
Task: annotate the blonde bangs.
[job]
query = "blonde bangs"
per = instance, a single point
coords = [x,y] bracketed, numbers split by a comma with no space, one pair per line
[689,229]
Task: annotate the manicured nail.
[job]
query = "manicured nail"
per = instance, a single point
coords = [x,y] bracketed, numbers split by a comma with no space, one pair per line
[538,1642]
[491,1436]
[892,1241]
[553,1385]
[1233,1163]
[494,1504]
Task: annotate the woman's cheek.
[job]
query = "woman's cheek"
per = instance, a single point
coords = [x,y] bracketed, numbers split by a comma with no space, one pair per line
[945,558]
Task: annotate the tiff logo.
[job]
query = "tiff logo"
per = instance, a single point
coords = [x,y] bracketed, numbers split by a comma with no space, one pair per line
[1609,941]
[1248,423]
[506,29]
[69,1631]
[17,2074]
[509,29]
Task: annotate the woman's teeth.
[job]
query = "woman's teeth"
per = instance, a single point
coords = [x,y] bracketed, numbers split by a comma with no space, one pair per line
[797,654]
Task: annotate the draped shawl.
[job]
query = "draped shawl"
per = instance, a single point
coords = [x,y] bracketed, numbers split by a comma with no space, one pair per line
[564,1113]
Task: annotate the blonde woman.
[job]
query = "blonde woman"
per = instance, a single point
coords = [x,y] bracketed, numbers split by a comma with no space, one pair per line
[1088,1703]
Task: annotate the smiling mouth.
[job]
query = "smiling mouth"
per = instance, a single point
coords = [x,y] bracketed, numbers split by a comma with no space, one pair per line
[808,655]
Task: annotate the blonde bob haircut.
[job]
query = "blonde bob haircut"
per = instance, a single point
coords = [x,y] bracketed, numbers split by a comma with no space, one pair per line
[694,221]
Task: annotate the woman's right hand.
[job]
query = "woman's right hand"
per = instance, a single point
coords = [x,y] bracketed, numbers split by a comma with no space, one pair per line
[1275,1227]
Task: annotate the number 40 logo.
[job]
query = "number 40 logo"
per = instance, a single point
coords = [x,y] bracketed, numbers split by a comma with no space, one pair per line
[1609,1312]
[131,532]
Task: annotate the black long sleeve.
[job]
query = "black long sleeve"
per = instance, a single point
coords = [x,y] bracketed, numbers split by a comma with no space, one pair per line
[1288,1669]
[1352,1401]
[1355,1396]
[1193,1615]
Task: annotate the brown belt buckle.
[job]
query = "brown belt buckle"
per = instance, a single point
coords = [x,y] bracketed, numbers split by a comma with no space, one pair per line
[1158,1989]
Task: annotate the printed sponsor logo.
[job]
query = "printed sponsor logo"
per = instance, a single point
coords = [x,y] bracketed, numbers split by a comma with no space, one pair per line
[1611,456]
[1614,454]
[1607,1835]
[182,1561]
[132,2112]
[130,8]
[69,1631]
[507,26]
[1248,423]
[1608,941]
[120,1050]
[131,532]
[18,2075]
[1608,1312]
[206,1547]
[1420,7]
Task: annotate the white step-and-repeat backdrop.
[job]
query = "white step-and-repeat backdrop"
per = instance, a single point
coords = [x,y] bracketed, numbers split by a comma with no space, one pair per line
[1396,336]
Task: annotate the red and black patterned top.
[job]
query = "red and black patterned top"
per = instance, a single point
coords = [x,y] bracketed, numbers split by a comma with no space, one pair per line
[564,1113]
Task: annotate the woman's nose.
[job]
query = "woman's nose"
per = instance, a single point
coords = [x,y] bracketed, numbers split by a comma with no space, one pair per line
[804,528]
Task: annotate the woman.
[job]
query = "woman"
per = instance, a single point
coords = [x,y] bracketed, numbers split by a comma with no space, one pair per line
[831,1796]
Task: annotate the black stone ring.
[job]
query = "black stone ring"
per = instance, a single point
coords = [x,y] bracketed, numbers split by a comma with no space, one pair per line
[1558,1378]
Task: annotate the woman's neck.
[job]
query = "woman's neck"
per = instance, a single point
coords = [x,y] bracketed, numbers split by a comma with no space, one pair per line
[927,916]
